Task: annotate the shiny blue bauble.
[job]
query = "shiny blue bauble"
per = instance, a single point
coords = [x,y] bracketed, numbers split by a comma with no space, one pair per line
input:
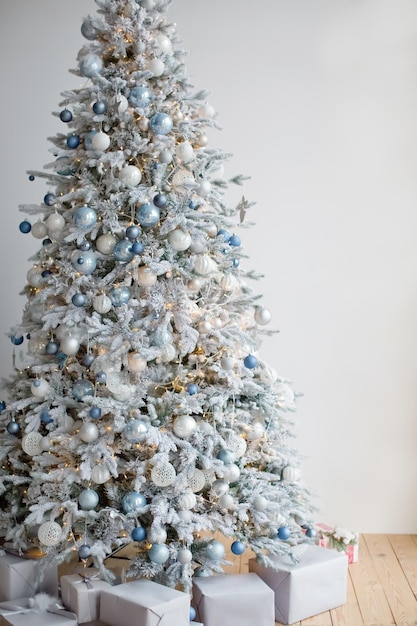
[136,430]
[31,177]
[193,613]
[227,456]
[2,406]
[78,299]
[311,533]
[101,377]
[73,141]
[85,245]
[148,215]
[119,295]
[99,107]
[122,251]
[13,428]
[137,247]
[90,65]
[225,236]
[215,550]
[161,123]
[88,139]
[283,533]
[82,388]
[88,499]
[95,412]
[84,217]
[132,232]
[51,347]
[84,551]
[17,341]
[140,96]
[161,337]
[88,30]
[192,388]
[25,227]
[138,533]
[65,116]
[237,547]
[46,242]
[250,362]
[160,200]
[200,572]
[46,417]
[87,360]
[234,241]
[65,167]
[84,262]
[159,553]
[133,501]
[235,263]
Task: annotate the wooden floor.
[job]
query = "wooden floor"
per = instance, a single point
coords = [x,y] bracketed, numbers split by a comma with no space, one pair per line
[382,585]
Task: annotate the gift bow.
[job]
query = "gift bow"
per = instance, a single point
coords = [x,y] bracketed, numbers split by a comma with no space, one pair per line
[87,579]
[8,608]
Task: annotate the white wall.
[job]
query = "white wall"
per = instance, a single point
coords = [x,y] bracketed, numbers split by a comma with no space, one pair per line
[318,103]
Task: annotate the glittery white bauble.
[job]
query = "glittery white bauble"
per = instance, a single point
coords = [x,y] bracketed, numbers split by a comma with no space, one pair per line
[184,152]
[145,276]
[163,474]
[179,239]
[197,480]
[102,304]
[100,474]
[255,431]
[32,443]
[100,141]
[219,487]
[204,265]
[35,278]
[184,426]
[55,222]
[89,432]
[39,388]
[260,503]
[136,363]
[49,533]
[262,316]
[285,394]
[290,474]
[130,175]
[39,230]
[156,66]
[182,178]
[105,243]
[237,444]
[268,376]
[227,363]
[226,501]
[184,556]
[187,500]
[69,345]
[185,516]
[156,535]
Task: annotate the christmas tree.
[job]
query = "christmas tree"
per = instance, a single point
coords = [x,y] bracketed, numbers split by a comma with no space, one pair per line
[141,410]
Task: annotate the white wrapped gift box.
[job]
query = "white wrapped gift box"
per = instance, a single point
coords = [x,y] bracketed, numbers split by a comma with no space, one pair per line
[81,593]
[233,599]
[144,603]
[18,613]
[19,577]
[317,583]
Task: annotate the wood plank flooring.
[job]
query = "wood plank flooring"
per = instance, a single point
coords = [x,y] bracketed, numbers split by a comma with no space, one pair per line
[382,585]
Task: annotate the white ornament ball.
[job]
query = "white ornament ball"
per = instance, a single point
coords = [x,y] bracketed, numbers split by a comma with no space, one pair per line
[89,432]
[268,376]
[187,500]
[210,230]
[260,503]
[46,444]
[184,152]
[204,265]
[290,474]
[39,230]
[163,475]
[100,474]
[197,246]
[219,487]
[49,533]
[102,304]
[232,473]
[179,239]
[197,481]
[204,188]
[184,426]
[226,501]
[145,276]
[182,177]
[207,110]
[164,43]
[40,388]
[184,556]
[194,284]
[255,431]
[156,535]
[32,443]
[156,66]
[122,103]
[185,516]
[136,363]
[69,345]
[229,283]
[105,243]
[100,141]
[35,278]
[285,394]
[55,222]
[168,353]
[204,327]
[262,316]
[237,445]
[130,175]
[227,363]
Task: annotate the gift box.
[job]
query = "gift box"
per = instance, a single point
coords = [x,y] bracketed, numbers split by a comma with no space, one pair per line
[313,582]
[339,539]
[81,593]
[19,577]
[18,613]
[146,603]
[241,600]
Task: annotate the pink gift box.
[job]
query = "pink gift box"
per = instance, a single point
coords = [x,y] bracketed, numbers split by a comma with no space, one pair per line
[325,539]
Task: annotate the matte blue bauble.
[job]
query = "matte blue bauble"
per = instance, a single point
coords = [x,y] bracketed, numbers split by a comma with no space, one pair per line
[84,262]
[99,107]
[73,141]
[140,96]
[227,456]
[65,116]
[215,550]
[223,234]
[88,30]
[87,360]
[84,217]
[148,215]
[138,533]
[101,377]
[84,551]
[133,501]
[46,417]
[136,430]
[234,241]
[95,412]
[161,124]
[78,299]
[88,499]
[13,428]
[82,388]
[17,341]
[132,231]
[25,227]
[283,533]
[160,200]
[237,547]
[161,337]
[192,388]
[119,295]
[90,65]
[88,139]
[137,247]
[51,347]
[122,251]
[159,553]
[250,362]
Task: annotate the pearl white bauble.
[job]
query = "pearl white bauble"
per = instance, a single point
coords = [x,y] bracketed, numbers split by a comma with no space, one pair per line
[204,327]
[32,443]
[237,444]
[165,156]
[268,376]
[262,316]
[102,304]
[69,345]
[227,363]
[122,103]
[219,487]
[89,432]
[204,265]
[184,556]
[35,278]
[105,243]
[184,426]
[100,474]
[229,283]
[168,353]
[231,473]
[163,475]
[40,388]
[185,515]
[179,239]
[49,533]
[156,66]
[226,501]
[197,246]
[55,222]
[143,123]
[39,230]
[130,175]
[260,503]
[255,431]
[164,43]
[63,331]
[100,141]
[202,141]
[136,363]
[187,500]
[145,276]
[184,152]
[194,284]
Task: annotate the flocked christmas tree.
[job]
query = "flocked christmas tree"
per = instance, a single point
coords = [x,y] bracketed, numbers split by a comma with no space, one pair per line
[142,410]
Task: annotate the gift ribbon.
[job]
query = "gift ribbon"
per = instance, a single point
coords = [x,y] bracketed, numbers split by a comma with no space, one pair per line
[7,608]
[86,579]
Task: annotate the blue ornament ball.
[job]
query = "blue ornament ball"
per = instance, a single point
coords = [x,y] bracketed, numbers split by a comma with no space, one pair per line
[17,340]
[137,247]
[133,501]
[101,377]
[95,412]
[78,299]
[161,124]
[65,115]
[82,388]
[148,215]
[87,360]
[140,97]
[237,547]
[84,217]
[2,406]
[225,236]
[90,65]
[311,533]
[13,428]
[46,241]
[235,263]
[25,227]
[136,430]
[88,31]
[85,245]
[46,417]
[51,347]
[88,139]
[159,553]
[250,362]
[73,141]
[193,613]
[215,550]
[227,456]
[283,533]
[31,178]
[138,533]
[192,389]
[122,251]
[200,572]
[84,551]
[119,295]
[88,499]
[132,232]
[99,107]
[234,241]
[160,200]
